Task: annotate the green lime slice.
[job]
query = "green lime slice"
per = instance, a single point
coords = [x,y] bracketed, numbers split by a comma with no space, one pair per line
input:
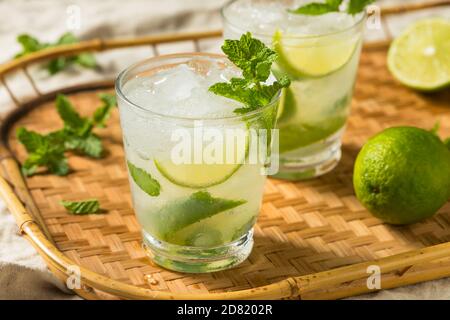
[420,57]
[287,106]
[204,175]
[196,176]
[312,57]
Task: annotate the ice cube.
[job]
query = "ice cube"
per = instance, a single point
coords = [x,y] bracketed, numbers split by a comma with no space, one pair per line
[175,84]
[183,91]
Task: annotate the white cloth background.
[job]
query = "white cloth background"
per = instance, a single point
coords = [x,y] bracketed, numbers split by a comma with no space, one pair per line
[23,274]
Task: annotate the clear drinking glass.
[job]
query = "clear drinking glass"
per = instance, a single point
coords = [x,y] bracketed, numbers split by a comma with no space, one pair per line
[320,54]
[196,203]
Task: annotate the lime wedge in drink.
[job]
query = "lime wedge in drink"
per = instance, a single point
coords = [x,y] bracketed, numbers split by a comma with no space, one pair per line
[196,176]
[420,57]
[312,57]
[287,106]
[204,175]
[298,129]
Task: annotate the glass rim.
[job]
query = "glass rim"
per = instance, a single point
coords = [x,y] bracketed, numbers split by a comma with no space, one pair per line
[300,37]
[119,83]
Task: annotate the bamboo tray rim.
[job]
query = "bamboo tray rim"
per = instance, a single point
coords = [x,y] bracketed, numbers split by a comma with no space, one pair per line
[59,264]
[18,199]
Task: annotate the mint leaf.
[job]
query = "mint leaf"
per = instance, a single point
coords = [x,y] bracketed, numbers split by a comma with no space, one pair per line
[77,133]
[319,8]
[42,152]
[49,150]
[103,112]
[255,60]
[30,44]
[315,9]
[334,3]
[144,180]
[251,56]
[184,212]
[356,6]
[30,139]
[72,120]
[82,207]
[240,90]
[90,145]
[86,60]
[57,65]
[237,89]
[57,163]
[67,38]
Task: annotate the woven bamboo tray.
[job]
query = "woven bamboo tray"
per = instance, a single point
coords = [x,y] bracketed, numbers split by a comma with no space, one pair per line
[313,240]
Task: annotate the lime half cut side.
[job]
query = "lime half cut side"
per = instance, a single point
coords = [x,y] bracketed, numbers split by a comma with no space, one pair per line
[420,57]
[201,175]
[312,57]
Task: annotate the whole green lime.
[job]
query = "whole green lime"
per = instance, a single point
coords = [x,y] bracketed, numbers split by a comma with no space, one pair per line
[402,175]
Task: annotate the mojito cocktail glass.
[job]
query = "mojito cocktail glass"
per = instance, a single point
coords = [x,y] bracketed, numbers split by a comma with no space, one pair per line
[196,188]
[320,54]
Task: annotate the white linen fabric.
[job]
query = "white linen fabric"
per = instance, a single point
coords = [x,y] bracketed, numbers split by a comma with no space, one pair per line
[23,274]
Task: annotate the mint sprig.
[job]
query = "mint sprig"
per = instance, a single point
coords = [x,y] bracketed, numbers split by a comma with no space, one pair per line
[31,44]
[77,135]
[82,207]
[319,8]
[255,60]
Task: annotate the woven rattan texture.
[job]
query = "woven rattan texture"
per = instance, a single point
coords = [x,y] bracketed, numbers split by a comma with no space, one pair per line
[303,227]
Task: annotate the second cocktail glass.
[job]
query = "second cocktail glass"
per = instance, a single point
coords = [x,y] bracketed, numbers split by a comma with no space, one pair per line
[320,54]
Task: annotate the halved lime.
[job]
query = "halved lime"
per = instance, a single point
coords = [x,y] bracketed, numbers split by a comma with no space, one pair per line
[203,175]
[420,57]
[312,57]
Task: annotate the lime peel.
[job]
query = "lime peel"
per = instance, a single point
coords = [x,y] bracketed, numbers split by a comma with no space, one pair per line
[420,57]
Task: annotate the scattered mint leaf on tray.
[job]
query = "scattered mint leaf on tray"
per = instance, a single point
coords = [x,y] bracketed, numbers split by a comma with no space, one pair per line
[91,145]
[144,180]
[255,59]
[42,152]
[82,207]
[31,44]
[76,135]
[184,212]
[103,112]
[77,132]
[71,118]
